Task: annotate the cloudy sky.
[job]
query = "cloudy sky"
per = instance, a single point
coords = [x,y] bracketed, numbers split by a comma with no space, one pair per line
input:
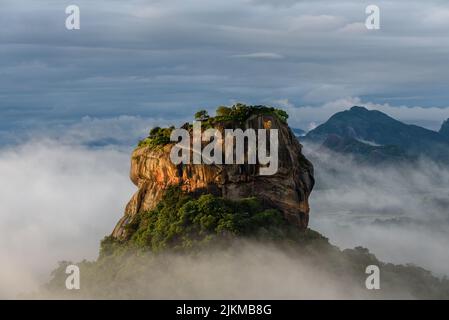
[73,103]
[164,59]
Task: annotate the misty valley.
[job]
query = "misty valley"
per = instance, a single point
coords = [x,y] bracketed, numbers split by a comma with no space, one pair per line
[228,232]
[219,153]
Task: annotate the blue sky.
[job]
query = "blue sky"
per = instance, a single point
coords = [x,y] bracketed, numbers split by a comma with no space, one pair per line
[165,59]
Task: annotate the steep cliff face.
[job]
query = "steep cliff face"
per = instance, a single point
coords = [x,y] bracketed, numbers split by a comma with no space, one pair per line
[287,190]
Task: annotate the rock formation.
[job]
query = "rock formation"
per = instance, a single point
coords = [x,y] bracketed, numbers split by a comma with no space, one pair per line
[288,190]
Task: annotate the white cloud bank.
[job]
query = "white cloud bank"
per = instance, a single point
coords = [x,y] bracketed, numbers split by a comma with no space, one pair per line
[56,203]
[399,212]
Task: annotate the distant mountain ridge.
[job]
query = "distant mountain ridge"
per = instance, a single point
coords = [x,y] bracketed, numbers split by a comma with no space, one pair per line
[445,129]
[364,152]
[350,131]
[298,132]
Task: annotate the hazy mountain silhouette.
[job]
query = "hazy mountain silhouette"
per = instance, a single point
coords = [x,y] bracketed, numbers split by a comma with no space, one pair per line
[444,131]
[370,132]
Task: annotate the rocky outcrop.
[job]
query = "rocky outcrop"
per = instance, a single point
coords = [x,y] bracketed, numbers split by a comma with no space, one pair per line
[287,190]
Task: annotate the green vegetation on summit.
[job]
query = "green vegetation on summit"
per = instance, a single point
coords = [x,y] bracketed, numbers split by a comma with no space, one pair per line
[238,113]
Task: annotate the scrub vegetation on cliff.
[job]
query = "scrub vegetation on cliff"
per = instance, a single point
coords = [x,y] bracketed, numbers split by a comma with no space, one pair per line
[182,221]
[158,137]
[237,114]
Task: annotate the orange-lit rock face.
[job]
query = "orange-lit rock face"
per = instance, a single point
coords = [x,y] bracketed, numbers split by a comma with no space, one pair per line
[288,190]
[267,124]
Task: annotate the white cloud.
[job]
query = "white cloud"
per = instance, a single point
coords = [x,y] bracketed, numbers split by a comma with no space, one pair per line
[259,55]
[284,103]
[354,28]
[437,18]
[123,131]
[57,202]
[311,23]
[399,211]
[312,125]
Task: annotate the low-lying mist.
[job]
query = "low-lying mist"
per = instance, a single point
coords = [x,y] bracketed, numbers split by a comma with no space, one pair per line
[63,188]
[56,202]
[59,198]
[245,270]
[399,211]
